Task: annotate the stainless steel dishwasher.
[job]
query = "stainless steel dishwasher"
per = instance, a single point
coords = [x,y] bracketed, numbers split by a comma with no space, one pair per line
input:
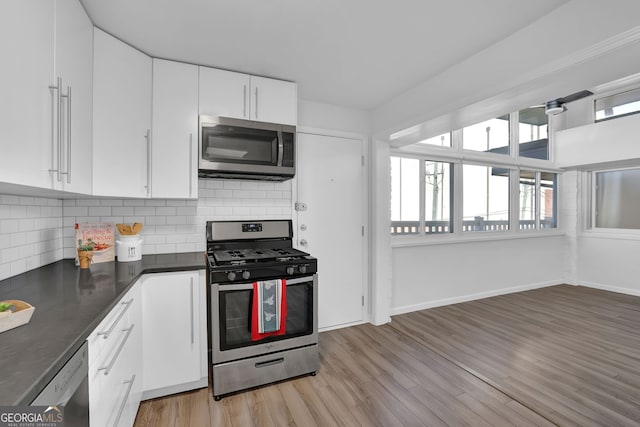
[70,389]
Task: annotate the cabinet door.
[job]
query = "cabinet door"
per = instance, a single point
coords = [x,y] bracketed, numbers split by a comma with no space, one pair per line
[273,101]
[172,321]
[26,47]
[74,55]
[121,118]
[174,164]
[224,93]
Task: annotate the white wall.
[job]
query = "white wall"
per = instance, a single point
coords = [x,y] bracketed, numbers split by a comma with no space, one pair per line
[434,275]
[332,117]
[609,262]
[30,233]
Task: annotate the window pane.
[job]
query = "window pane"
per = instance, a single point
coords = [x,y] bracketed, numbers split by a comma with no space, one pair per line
[437,200]
[618,199]
[491,136]
[617,105]
[485,198]
[405,196]
[527,200]
[533,133]
[443,140]
[548,184]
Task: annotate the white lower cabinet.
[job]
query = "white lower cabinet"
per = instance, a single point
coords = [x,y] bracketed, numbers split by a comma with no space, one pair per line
[174,335]
[115,375]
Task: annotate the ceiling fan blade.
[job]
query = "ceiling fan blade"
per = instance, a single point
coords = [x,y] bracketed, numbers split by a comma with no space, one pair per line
[575,96]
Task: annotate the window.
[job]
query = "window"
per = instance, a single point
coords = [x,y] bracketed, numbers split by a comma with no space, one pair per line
[527,200]
[490,136]
[437,197]
[548,203]
[443,140]
[617,199]
[533,136]
[405,195]
[537,201]
[467,188]
[618,105]
[485,198]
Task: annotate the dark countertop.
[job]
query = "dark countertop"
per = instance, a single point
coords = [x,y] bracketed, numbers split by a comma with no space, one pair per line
[70,303]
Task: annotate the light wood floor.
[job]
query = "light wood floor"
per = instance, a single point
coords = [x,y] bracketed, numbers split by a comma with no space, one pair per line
[561,355]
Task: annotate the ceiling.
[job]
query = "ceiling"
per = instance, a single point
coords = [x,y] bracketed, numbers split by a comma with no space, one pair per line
[356,53]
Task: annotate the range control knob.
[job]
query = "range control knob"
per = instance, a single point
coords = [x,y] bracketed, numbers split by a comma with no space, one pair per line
[303,269]
[290,270]
[246,274]
[231,275]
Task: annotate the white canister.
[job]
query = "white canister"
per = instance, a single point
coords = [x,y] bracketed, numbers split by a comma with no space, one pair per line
[129,248]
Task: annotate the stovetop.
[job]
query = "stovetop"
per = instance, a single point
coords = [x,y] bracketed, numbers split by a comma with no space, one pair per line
[255,250]
[248,255]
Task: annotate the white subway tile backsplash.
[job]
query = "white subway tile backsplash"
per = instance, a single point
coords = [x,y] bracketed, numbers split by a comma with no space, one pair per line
[88,202]
[100,211]
[145,211]
[37,231]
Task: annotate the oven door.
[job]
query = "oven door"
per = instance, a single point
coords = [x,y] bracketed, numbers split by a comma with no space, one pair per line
[230,327]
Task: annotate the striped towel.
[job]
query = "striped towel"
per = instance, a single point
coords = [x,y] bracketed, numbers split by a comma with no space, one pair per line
[269,312]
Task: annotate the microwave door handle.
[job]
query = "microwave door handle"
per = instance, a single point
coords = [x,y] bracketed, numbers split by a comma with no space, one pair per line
[280,148]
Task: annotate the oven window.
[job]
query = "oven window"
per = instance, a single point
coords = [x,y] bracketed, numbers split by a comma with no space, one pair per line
[235,316]
[231,144]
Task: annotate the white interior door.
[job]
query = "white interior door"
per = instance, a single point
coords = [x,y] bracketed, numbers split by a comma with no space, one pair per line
[330,183]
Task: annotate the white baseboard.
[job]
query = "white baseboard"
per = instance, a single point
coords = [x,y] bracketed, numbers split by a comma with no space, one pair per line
[627,291]
[470,297]
[343,325]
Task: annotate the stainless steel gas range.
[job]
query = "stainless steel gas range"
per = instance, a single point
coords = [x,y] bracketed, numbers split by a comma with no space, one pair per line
[242,256]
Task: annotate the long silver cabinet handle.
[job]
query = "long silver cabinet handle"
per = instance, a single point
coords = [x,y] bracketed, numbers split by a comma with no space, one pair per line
[256,103]
[244,102]
[66,97]
[190,165]
[68,135]
[124,401]
[107,368]
[192,314]
[55,138]
[148,138]
[108,332]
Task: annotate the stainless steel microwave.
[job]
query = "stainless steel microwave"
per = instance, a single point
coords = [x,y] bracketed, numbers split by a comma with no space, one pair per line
[246,149]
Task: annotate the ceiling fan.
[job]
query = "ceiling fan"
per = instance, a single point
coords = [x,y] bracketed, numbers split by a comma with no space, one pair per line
[557,106]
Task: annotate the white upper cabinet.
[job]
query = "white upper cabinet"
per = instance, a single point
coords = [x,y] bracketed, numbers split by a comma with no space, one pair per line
[26,46]
[174,160]
[73,64]
[45,133]
[230,94]
[273,101]
[224,93]
[121,119]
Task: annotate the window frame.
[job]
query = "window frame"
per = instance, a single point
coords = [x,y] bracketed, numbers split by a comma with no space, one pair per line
[590,221]
[456,155]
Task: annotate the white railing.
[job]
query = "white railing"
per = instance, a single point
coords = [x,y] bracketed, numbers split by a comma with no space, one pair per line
[477,224]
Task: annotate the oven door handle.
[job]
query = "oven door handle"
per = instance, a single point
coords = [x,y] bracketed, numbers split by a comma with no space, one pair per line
[248,286]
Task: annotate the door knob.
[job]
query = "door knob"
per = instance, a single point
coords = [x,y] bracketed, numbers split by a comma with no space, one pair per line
[303,242]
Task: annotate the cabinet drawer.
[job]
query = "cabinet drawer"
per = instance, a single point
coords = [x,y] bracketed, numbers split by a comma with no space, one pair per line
[104,335]
[112,378]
